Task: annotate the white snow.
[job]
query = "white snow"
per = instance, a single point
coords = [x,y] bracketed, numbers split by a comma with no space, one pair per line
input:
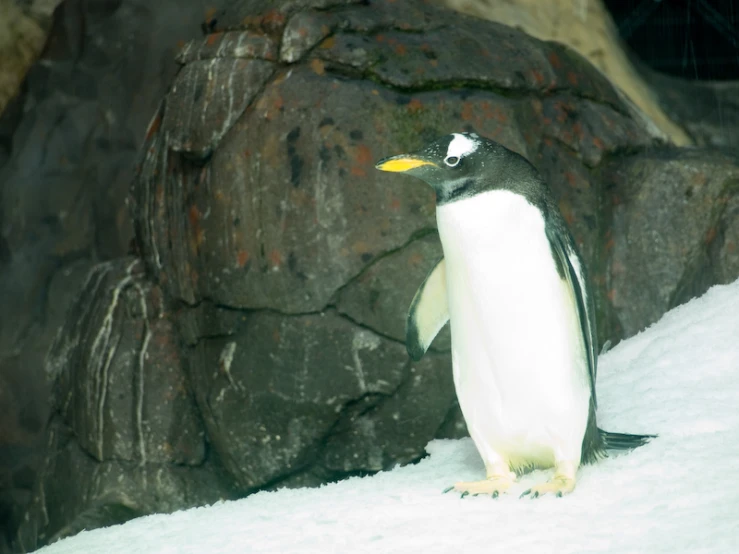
[680,493]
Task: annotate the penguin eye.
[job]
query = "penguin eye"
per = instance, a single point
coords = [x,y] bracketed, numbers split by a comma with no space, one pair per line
[451,161]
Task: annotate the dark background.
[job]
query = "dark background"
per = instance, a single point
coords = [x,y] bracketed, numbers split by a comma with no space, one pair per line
[692,39]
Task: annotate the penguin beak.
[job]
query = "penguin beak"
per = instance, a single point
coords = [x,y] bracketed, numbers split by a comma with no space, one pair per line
[402,163]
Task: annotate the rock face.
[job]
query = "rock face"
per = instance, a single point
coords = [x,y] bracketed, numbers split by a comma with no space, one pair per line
[125,432]
[589,29]
[68,145]
[257,340]
[708,111]
[674,231]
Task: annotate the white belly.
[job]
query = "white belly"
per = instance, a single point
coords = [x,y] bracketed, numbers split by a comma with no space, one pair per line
[518,357]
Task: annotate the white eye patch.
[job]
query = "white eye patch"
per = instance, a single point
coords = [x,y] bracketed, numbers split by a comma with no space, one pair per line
[459,147]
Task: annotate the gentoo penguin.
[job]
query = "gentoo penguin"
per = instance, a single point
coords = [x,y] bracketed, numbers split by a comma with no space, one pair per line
[514,289]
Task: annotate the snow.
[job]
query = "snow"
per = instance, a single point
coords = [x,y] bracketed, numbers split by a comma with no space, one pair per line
[680,493]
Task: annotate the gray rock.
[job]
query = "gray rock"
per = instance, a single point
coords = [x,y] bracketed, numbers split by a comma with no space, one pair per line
[673,231]
[207,97]
[117,367]
[278,179]
[302,385]
[377,296]
[68,145]
[707,110]
[93,494]
[126,434]
[373,437]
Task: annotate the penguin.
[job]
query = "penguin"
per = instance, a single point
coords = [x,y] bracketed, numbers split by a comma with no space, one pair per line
[515,292]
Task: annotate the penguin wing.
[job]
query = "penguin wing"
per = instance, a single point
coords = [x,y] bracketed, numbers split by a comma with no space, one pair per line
[572,270]
[428,313]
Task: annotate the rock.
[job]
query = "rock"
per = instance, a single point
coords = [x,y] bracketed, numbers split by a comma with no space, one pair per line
[708,111]
[93,495]
[673,231]
[377,295]
[25,391]
[68,144]
[286,140]
[264,260]
[589,29]
[119,380]
[374,437]
[125,434]
[302,385]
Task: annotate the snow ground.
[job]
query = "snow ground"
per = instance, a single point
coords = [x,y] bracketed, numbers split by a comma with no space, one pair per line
[680,493]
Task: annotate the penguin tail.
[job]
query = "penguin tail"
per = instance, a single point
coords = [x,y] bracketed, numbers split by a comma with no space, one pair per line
[623,441]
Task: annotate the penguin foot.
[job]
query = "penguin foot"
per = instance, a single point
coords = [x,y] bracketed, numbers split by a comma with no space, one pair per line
[493,486]
[559,486]
[562,483]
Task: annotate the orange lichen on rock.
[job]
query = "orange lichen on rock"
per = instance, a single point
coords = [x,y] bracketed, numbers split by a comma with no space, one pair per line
[318,67]
[328,43]
[242,257]
[154,126]
[710,235]
[363,154]
[467,111]
[554,60]
[415,105]
[213,38]
[275,258]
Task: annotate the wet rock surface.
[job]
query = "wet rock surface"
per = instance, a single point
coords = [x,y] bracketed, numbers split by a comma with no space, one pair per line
[276,264]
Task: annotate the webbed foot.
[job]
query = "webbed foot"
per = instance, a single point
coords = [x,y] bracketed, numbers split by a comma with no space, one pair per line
[562,483]
[494,486]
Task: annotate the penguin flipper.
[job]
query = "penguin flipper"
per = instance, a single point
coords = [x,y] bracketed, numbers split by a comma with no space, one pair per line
[573,271]
[429,312]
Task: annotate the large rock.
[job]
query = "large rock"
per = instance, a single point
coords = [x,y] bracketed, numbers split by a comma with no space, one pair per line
[589,29]
[287,207]
[68,144]
[315,393]
[25,392]
[125,432]
[674,231]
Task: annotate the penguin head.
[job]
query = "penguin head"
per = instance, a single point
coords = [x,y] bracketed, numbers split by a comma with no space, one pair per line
[456,166]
